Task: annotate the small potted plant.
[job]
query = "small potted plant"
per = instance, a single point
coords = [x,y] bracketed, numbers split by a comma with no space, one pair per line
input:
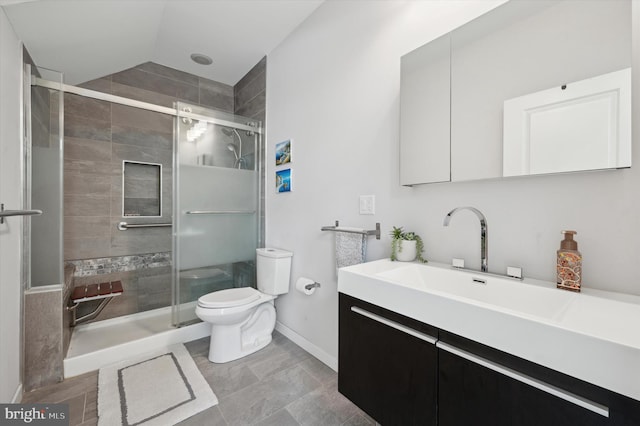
[406,246]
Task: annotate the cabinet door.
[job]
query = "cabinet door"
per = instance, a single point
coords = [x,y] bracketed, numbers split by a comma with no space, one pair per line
[517,49]
[471,393]
[387,372]
[424,114]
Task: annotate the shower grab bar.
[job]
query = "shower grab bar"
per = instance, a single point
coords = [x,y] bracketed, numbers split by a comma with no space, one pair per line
[7,213]
[123,226]
[375,232]
[220,212]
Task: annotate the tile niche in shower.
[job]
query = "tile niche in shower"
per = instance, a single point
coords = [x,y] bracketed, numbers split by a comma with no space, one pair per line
[141,189]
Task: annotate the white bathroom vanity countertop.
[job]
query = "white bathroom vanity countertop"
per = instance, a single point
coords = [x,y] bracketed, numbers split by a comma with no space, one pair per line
[593,335]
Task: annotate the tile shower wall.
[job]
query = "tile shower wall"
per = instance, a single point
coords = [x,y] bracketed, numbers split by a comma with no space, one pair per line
[47,333]
[43,337]
[145,277]
[100,135]
[249,93]
[250,101]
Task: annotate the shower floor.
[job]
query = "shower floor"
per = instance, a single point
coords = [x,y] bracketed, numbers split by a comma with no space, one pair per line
[102,343]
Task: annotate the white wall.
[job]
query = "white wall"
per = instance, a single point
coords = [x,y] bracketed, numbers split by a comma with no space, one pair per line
[333,87]
[11,196]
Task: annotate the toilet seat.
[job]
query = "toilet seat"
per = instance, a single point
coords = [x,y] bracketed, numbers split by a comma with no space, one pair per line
[229,298]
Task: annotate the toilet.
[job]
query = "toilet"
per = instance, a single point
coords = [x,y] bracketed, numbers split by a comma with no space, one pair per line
[242,319]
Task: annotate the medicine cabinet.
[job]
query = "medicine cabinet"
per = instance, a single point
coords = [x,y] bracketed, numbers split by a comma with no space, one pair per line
[531,87]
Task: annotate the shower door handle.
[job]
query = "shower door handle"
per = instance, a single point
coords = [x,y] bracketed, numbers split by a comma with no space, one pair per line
[7,213]
[220,212]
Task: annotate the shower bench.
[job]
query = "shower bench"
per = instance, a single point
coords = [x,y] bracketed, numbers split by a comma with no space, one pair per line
[104,292]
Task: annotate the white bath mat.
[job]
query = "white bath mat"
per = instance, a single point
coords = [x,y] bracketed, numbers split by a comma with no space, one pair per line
[159,388]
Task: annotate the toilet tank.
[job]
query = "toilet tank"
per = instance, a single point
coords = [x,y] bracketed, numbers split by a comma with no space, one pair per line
[273,267]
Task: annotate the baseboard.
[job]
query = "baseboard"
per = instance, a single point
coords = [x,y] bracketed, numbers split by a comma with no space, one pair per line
[316,351]
[17,396]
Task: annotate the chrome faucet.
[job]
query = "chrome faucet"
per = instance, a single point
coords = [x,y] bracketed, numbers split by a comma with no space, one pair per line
[483,233]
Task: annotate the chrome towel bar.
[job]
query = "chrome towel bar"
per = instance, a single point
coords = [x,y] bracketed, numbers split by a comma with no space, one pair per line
[123,226]
[220,212]
[375,232]
[7,213]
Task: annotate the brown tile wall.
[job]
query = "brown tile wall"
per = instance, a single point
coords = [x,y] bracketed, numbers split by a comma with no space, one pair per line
[144,289]
[43,337]
[249,92]
[47,332]
[250,101]
[100,135]
[69,283]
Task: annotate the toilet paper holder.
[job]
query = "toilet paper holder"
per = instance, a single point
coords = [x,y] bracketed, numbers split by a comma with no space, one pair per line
[307,286]
[312,285]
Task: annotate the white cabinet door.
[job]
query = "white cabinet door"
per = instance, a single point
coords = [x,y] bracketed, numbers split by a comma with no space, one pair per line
[585,125]
[520,48]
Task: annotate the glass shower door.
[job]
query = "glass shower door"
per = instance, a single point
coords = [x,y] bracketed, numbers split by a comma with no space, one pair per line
[216,209]
[44,252]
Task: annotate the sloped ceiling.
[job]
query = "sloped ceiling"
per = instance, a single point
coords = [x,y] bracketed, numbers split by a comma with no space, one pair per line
[87,39]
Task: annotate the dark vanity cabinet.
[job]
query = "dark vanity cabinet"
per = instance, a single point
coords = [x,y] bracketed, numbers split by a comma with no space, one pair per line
[481,385]
[404,372]
[470,393]
[387,364]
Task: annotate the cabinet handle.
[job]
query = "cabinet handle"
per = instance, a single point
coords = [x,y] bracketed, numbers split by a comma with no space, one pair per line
[545,387]
[395,325]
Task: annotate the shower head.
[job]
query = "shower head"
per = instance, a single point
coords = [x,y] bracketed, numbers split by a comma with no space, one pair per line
[237,151]
[229,131]
[231,147]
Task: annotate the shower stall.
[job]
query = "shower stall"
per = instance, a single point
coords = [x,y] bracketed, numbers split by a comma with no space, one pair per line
[161,202]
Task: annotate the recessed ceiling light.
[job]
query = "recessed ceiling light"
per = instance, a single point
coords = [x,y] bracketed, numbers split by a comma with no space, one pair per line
[201,59]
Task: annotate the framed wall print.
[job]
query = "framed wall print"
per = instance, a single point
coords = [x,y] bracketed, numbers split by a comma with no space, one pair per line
[283,152]
[283,180]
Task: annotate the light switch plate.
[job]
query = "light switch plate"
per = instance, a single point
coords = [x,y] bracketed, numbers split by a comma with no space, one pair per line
[367,204]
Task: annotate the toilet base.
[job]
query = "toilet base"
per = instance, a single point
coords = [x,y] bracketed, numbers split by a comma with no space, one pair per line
[231,342]
[220,357]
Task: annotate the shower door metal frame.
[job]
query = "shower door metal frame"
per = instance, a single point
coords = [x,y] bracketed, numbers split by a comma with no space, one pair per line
[66,88]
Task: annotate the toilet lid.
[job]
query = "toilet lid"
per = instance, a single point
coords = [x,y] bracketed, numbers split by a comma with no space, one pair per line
[228,298]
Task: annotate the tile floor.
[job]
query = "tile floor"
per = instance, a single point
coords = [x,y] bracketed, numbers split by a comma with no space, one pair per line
[280,385]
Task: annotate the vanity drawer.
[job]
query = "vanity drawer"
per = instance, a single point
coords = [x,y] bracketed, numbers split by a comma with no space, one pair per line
[387,364]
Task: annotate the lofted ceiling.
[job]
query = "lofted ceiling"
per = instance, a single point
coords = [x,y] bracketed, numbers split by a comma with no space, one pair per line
[87,39]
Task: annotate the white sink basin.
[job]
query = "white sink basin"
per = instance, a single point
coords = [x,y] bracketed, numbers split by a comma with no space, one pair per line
[593,335]
[494,292]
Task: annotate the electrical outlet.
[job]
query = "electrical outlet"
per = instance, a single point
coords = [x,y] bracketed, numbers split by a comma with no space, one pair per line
[367,204]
